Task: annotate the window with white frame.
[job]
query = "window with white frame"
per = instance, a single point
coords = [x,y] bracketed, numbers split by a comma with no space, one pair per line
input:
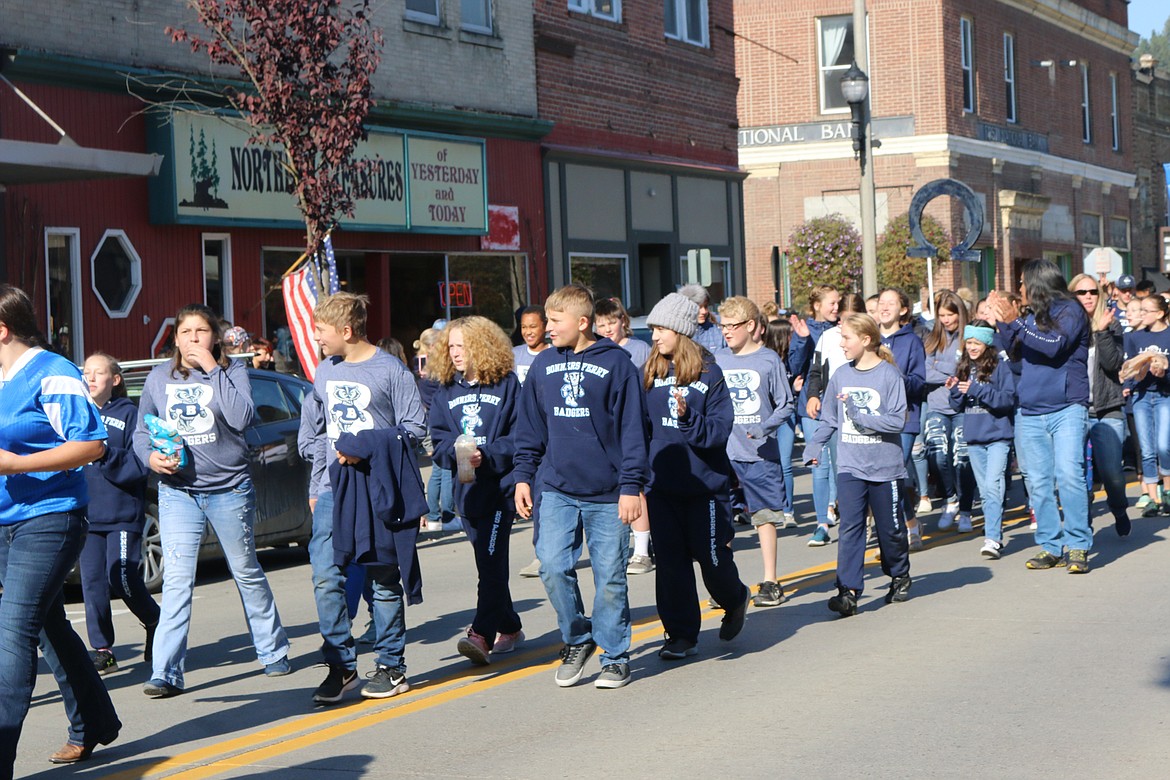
[1114,119]
[116,273]
[217,273]
[608,276]
[63,293]
[476,16]
[835,44]
[1009,77]
[720,278]
[1086,119]
[686,20]
[425,11]
[602,9]
[967,63]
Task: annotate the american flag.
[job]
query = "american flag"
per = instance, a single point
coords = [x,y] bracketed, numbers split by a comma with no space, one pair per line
[300,298]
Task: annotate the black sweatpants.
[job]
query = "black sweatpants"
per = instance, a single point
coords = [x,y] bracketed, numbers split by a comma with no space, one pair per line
[489,536]
[686,529]
[854,496]
[111,563]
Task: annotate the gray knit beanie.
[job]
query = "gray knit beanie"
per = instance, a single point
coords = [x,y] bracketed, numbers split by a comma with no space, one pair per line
[696,292]
[676,312]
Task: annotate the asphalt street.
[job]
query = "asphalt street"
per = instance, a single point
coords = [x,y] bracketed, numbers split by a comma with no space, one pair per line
[989,670]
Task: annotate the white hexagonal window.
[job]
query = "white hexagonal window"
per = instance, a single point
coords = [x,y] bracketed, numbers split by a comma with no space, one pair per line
[115,273]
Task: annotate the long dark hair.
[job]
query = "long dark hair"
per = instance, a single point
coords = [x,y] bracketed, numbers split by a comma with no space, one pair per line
[1045,284]
[212,320]
[16,311]
[984,366]
[778,336]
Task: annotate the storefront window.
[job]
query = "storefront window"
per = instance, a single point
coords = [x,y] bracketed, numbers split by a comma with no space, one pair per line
[606,275]
[492,286]
[217,273]
[116,273]
[62,270]
[720,278]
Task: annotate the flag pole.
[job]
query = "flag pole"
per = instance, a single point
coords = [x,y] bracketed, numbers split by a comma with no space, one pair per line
[304,256]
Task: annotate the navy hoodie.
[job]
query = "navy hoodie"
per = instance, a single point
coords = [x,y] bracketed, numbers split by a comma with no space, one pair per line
[910,358]
[582,423]
[688,454]
[988,407]
[803,347]
[117,481]
[1055,370]
[489,413]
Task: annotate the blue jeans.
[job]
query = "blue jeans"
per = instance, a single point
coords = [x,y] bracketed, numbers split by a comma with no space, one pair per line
[564,520]
[918,460]
[947,453]
[1151,416]
[785,437]
[333,618]
[182,515]
[824,485]
[989,462]
[1108,437]
[35,556]
[1052,446]
[440,494]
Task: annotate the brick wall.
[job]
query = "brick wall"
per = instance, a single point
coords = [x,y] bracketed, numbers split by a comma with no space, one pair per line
[625,86]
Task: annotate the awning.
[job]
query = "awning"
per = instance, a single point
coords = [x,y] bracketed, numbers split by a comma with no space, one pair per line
[26,162]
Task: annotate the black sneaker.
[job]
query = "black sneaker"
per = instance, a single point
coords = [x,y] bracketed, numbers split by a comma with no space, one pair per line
[734,618]
[573,658]
[1122,524]
[899,590]
[1044,560]
[159,688]
[1078,561]
[742,518]
[384,682]
[677,649]
[104,662]
[148,646]
[769,594]
[337,682]
[844,603]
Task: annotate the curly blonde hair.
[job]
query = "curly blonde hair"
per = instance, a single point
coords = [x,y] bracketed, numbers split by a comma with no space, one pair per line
[485,345]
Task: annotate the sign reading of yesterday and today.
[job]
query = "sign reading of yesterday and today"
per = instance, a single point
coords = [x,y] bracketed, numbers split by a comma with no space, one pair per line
[424,183]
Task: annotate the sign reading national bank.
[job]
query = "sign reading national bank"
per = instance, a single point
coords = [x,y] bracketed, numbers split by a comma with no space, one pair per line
[406,181]
[818,132]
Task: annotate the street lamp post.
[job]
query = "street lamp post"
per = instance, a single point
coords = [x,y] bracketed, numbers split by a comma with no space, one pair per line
[855,89]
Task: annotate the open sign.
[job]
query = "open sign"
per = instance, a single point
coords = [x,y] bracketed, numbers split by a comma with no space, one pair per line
[457,295]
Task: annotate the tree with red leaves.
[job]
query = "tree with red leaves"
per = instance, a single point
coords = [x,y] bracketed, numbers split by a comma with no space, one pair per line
[306,66]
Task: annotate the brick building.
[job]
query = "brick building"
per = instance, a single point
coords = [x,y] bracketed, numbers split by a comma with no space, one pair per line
[1151,119]
[641,163]
[111,259]
[1026,101]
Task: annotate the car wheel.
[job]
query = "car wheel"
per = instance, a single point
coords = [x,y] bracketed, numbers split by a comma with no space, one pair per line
[152,557]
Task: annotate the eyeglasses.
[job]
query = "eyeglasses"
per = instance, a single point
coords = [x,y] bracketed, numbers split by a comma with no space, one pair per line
[732,325]
[1088,292]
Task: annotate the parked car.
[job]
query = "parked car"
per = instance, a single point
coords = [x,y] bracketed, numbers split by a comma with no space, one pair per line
[279,473]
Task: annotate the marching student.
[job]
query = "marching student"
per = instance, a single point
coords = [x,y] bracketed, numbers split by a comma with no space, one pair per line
[111,556]
[983,390]
[866,401]
[582,424]
[532,326]
[690,414]
[477,396]
[762,398]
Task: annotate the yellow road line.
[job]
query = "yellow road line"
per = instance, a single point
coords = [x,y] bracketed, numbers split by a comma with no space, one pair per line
[334,723]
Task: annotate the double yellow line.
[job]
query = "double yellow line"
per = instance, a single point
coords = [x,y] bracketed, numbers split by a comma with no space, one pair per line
[336,722]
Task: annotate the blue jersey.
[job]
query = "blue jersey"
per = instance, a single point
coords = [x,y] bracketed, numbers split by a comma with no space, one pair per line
[43,404]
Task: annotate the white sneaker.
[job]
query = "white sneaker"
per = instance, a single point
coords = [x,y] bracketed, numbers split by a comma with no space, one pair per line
[965,526]
[990,549]
[1032,524]
[789,520]
[640,564]
[831,515]
[924,506]
[914,538]
[532,569]
[948,516]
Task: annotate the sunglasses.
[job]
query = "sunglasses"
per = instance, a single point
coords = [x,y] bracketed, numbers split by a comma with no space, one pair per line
[1088,292]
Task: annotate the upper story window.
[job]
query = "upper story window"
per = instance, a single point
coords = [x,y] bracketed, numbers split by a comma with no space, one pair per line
[1086,119]
[967,62]
[476,16]
[425,11]
[835,40]
[1009,77]
[602,9]
[116,273]
[686,20]
[1114,119]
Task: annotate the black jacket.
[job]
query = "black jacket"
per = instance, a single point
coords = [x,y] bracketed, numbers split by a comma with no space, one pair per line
[1110,351]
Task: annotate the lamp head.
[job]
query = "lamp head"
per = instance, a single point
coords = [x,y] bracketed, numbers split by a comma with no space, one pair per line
[854,85]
